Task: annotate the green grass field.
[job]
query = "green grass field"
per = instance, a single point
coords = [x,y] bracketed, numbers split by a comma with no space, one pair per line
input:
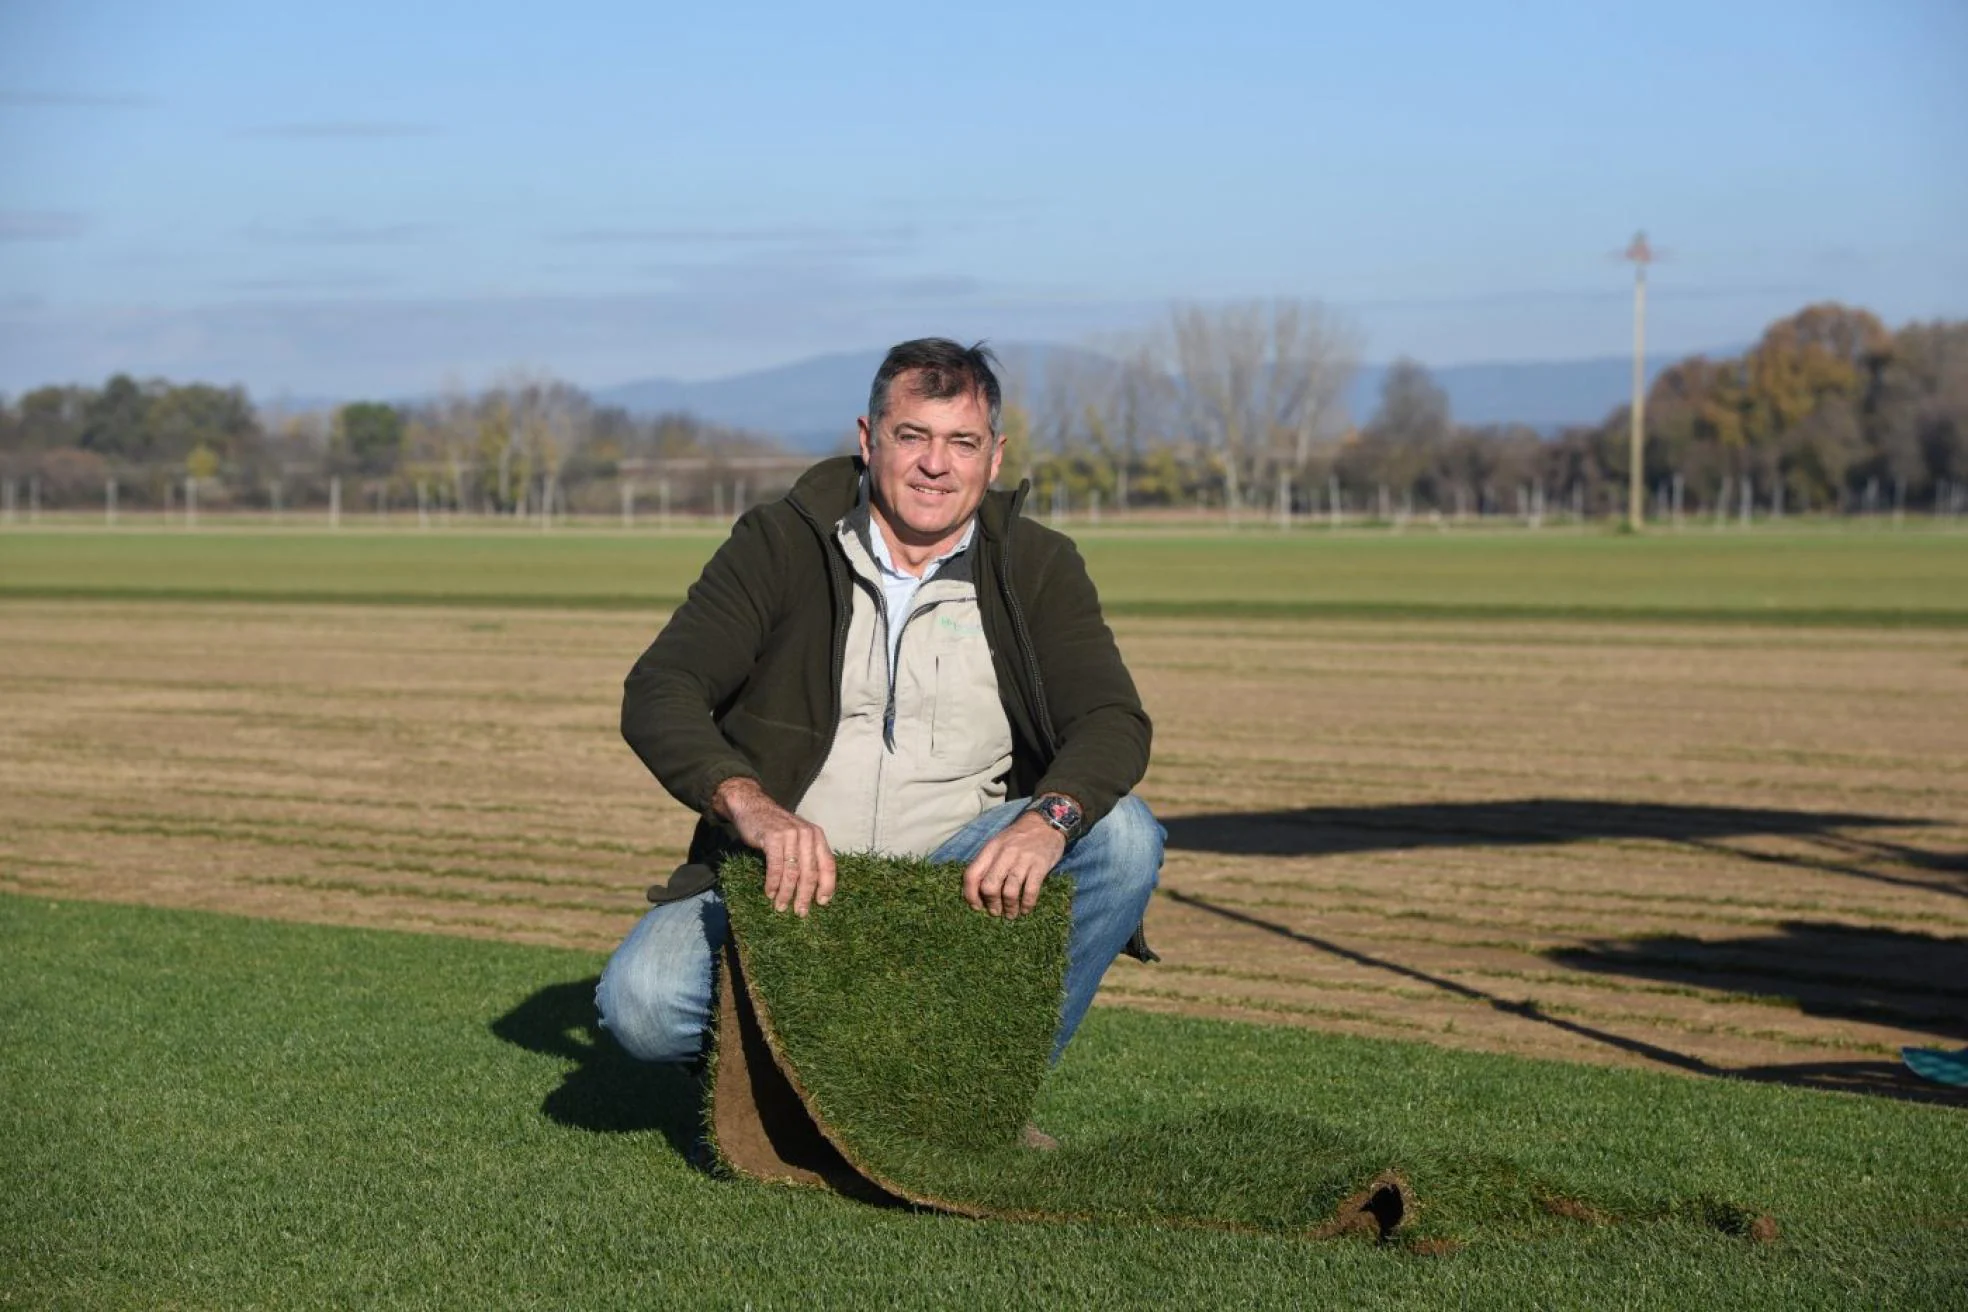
[203,1110]
[206,1110]
[1821,575]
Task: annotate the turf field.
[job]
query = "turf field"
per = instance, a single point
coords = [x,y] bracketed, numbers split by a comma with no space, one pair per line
[1442,808]
[205,1110]
[1848,576]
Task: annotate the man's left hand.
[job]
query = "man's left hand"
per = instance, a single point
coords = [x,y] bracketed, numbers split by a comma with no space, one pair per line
[1005,877]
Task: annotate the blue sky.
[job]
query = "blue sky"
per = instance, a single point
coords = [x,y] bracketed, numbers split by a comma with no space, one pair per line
[366,198]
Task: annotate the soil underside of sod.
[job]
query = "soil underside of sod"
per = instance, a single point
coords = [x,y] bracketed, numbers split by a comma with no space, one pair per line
[898,1035]
[1697,848]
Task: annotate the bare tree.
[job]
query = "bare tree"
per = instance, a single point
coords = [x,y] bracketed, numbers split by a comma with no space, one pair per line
[1259,384]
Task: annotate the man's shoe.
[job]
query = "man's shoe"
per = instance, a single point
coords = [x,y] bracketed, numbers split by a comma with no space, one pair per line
[1036,1139]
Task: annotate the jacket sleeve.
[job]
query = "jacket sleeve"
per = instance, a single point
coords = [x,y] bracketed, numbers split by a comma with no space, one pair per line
[1101,730]
[700,659]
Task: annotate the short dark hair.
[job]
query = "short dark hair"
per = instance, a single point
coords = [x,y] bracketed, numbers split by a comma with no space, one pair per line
[942,369]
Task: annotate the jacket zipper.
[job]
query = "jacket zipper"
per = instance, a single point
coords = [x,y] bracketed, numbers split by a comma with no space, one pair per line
[895,662]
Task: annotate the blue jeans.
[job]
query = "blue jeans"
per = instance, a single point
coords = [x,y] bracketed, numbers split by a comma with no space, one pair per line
[655,994]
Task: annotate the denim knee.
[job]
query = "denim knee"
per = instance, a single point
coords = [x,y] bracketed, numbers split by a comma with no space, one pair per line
[648,1015]
[655,993]
[1129,842]
[1118,860]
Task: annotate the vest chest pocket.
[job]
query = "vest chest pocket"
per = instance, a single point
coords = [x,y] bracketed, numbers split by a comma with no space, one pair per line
[968,726]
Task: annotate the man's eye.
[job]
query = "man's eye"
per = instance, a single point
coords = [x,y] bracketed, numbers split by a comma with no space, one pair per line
[910,439]
[965,446]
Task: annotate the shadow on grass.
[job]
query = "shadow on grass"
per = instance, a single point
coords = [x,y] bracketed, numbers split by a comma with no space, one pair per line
[607,1092]
[1527,1010]
[1341,830]
[1931,974]
[1893,977]
[1883,1079]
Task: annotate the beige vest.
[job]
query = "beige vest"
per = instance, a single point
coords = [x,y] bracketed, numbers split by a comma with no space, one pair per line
[904,785]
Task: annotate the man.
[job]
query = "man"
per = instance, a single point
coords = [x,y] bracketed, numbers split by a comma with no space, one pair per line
[890,658]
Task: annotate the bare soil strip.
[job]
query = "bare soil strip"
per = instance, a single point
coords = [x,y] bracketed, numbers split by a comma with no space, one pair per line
[1707,849]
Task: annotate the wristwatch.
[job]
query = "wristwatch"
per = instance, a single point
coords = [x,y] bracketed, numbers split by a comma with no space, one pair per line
[1059,811]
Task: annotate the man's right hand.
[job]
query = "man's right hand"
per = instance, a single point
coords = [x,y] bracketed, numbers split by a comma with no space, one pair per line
[799,865]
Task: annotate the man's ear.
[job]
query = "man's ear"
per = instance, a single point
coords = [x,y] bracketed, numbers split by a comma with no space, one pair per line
[865,438]
[997,459]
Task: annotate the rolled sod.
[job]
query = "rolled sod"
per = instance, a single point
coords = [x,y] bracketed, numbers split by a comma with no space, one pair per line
[892,1045]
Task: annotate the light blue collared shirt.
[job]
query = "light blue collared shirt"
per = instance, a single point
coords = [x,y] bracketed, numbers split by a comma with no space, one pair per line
[899,587]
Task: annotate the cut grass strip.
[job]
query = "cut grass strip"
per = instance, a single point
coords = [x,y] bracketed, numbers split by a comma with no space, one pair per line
[1817,617]
[424,893]
[1520,892]
[204,1110]
[915,1031]
[1820,576]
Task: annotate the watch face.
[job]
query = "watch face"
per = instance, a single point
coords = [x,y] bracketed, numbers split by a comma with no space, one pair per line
[1061,813]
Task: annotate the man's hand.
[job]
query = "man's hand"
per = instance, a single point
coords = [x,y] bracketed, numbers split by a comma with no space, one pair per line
[1005,876]
[799,865]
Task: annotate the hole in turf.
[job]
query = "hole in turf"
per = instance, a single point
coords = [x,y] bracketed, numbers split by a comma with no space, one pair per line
[1375,1212]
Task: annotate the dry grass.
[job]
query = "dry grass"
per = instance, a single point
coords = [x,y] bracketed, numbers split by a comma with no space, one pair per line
[1698,847]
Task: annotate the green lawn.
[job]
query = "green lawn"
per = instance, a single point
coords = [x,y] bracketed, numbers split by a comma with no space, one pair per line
[1816,575]
[212,1111]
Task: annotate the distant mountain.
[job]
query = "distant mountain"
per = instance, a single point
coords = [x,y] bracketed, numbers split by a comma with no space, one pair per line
[810,404]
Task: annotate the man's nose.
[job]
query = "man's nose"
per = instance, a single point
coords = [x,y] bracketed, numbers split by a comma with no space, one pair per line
[935,457]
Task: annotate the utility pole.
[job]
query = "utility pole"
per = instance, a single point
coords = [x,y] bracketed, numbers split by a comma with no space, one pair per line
[1641,254]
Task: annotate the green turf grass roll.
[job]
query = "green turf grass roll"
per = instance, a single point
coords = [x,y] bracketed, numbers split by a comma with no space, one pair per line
[893,1043]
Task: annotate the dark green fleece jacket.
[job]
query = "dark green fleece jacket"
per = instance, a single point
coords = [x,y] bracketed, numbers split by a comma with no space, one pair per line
[745,678]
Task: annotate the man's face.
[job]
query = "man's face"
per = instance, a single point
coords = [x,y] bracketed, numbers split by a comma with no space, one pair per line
[931,463]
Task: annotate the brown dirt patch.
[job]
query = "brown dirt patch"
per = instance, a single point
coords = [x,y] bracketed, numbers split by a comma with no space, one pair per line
[1695,848]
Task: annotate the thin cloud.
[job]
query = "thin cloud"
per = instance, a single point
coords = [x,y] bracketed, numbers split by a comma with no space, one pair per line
[344,130]
[790,235]
[25,99]
[41,225]
[352,342]
[340,232]
[320,282]
[1529,297]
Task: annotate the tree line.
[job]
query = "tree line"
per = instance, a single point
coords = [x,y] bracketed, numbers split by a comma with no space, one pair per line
[513,448]
[1237,408]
